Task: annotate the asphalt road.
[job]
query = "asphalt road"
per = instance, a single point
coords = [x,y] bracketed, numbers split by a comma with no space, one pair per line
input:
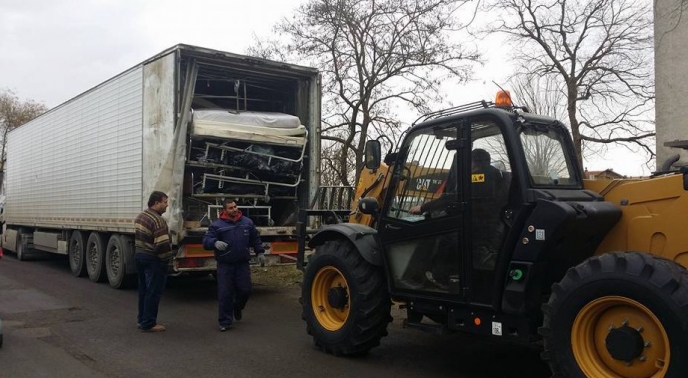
[57,325]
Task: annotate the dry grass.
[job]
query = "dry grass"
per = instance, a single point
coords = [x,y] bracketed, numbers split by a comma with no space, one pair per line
[277,276]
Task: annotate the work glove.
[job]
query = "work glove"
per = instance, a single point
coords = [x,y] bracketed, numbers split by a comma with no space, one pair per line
[220,245]
[261,259]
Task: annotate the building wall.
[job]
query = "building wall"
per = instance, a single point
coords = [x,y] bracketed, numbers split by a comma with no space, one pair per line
[671,76]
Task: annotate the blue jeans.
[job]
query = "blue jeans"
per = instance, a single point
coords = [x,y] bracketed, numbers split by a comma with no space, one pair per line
[152,274]
[233,289]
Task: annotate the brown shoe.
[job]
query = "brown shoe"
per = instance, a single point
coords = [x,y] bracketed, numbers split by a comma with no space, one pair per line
[155,328]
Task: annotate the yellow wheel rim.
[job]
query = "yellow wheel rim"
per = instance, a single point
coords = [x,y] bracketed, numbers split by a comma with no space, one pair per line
[330,298]
[604,315]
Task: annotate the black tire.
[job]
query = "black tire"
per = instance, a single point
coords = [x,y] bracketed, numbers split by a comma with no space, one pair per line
[22,248]
[75,254]
[95,257]
[366,313]
[116,263]
[632,306]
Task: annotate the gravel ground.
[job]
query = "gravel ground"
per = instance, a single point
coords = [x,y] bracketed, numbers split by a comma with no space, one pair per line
[277,276]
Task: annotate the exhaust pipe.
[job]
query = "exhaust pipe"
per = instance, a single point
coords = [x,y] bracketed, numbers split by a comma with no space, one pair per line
[669,162]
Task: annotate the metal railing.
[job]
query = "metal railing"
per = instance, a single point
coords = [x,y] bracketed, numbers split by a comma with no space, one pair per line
[332,204]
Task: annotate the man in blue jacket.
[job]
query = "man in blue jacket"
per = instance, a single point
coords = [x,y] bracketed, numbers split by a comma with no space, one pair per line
[230,237]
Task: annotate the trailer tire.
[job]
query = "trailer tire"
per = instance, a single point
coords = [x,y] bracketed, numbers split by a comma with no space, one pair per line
[76,254]
[618,315]
[116,263]
[22,248]
[95,257]
[345,301]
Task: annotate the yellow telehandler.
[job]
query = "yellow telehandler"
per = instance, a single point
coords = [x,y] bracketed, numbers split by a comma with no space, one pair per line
[481,222]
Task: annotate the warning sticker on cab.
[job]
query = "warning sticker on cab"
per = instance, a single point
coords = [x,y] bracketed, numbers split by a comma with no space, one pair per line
[497,328]
[478,177]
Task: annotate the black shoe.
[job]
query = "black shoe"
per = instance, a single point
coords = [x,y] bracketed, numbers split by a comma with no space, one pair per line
[225,328]
[237,315]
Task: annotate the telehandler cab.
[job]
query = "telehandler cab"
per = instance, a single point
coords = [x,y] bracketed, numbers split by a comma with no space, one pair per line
[482,222]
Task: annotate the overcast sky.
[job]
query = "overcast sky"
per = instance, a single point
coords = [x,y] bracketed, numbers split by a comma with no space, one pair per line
[53,50]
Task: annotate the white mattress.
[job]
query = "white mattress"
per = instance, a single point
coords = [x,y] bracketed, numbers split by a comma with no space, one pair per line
[267,127]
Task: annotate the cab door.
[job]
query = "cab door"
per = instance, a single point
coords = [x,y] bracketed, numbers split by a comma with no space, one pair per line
[421,225]
[491,201]
[447,213]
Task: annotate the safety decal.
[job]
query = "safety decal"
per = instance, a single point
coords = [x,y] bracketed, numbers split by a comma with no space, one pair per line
[497,328]
[478,177]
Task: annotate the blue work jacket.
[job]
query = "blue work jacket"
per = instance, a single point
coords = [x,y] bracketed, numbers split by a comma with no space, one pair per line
[239,236]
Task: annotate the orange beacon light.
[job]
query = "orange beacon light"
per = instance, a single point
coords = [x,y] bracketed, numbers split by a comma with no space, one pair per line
[503,99]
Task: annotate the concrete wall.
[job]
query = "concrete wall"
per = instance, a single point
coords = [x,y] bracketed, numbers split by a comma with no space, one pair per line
[671,76]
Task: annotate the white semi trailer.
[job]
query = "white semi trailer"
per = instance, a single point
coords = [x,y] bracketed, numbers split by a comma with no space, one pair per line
[198,124]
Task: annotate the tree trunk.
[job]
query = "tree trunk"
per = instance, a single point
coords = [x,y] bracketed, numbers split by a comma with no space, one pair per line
[573,121]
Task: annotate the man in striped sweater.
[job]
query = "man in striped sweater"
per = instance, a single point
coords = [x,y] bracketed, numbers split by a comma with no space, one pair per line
[153,251]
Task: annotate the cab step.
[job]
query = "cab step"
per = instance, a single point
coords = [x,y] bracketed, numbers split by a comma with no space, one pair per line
[438,329]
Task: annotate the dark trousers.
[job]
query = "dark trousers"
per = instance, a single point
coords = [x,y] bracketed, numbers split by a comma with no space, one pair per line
[233,289]
[152,274]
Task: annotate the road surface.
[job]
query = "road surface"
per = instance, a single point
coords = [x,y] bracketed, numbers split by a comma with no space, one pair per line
[57,325]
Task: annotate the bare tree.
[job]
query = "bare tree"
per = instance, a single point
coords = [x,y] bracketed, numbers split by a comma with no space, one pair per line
[600,51]
[332,171]
[374,55]
[13,113]
[542,95]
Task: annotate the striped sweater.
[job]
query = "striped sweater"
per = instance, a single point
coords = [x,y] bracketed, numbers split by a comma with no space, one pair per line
[152,235]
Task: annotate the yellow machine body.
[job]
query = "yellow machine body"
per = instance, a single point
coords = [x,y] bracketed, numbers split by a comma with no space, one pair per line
[653,220]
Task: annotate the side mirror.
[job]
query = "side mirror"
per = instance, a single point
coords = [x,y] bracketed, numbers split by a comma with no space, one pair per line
[368,206]
[373,154]
[452,145]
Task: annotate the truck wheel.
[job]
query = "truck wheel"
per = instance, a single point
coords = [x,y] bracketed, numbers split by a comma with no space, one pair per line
[345,301]
[95,257]
[76,254]
[22,248]
[618,315]
[115,263]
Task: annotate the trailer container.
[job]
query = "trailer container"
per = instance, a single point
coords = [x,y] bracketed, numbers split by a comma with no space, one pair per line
[198,124]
